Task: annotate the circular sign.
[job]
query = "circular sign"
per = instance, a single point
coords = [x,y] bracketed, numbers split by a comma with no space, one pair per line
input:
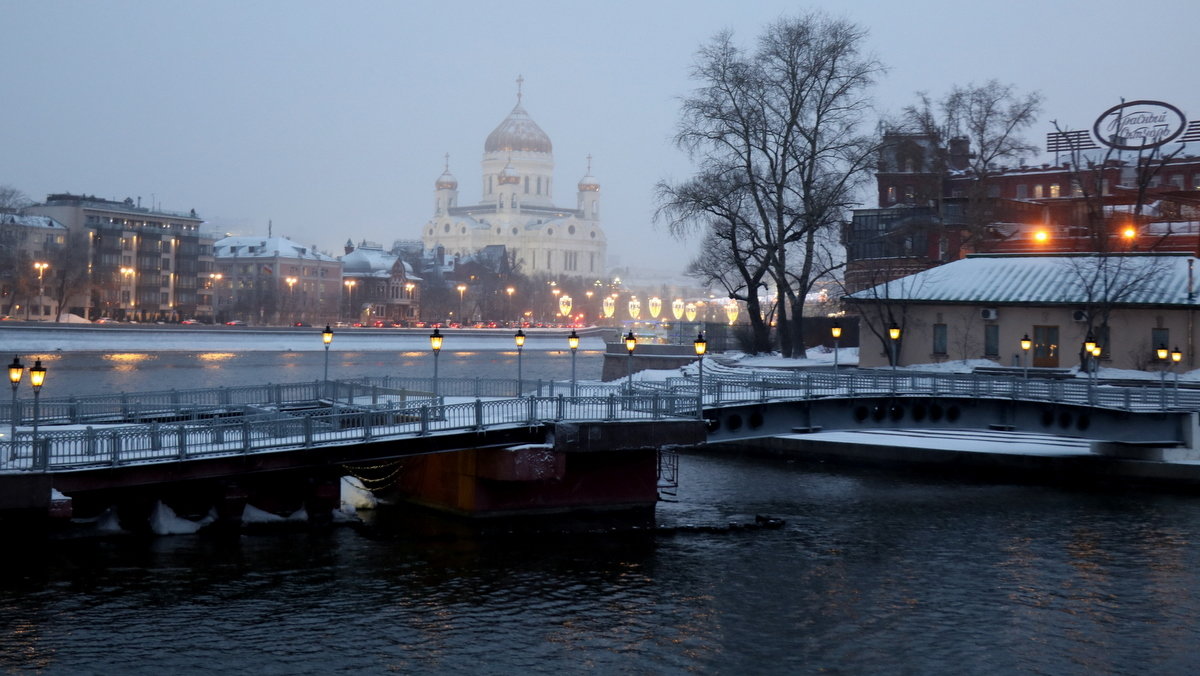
[1139,125]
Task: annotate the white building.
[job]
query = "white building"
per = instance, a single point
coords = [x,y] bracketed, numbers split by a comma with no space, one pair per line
[517,207]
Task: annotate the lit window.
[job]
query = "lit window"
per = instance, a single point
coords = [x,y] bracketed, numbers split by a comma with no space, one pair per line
[1037,191]
[1055,190]
[891,194]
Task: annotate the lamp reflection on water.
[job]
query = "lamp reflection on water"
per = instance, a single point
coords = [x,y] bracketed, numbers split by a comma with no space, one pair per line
[128,361]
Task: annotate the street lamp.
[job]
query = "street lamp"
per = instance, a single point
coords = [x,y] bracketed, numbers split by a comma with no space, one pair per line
[836,332]
[327,338]
[508,304]
[630,346]
[435,343]
[41,268]
[350,284]
[701,346]
[894,335]
[573,343]
[15,371]
[37,376]
[1026,343]
[519,339]
[1163,355]
[1176,357]
[462,289]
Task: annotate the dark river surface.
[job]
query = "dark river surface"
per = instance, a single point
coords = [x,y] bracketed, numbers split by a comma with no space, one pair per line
[874,572]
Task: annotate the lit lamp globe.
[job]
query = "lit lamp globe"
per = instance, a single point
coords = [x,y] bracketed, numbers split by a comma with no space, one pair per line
[15,371]
[327,335]
[731,311]
[519,338]
[700,344]
[655,307]
[894,331]
[37,375]
[677,307]
[630,342]
[435,340]
[836,331]
[573,340]
[1162,352]
[1176,355]
[609,306]
[564,305]
[689,310]
[1026,343]
[635,308]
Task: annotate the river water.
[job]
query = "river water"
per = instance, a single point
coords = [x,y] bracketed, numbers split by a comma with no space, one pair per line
[874,572]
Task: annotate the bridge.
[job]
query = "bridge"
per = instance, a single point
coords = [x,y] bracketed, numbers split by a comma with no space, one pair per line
[102,444]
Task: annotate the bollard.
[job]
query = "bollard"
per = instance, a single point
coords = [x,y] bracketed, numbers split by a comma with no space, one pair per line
[424,420]
[114,448]
[478,410]
[558,408]
[531,404]
[245,436]
[155,438]
[612,407]
[89,434]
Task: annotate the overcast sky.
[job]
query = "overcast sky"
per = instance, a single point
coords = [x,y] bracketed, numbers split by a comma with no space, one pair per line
[332,118]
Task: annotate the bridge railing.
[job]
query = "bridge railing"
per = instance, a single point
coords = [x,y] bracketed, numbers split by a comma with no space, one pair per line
[268,431]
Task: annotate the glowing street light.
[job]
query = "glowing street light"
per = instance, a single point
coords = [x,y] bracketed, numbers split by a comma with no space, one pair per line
[836,332]
[1026,343]
[508,302]
[435,344]
[41,269]
[519,339]
[573,343]
[1176,357]
[350,284]
[701,346]
[37,376]
[16,370]
[1164,355]
[630,346]
[894,335]
[327,338]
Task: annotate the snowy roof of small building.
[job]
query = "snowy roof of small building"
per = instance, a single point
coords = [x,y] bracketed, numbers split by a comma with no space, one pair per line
[1045,280]
[30,221]
[266,247]
[371,261]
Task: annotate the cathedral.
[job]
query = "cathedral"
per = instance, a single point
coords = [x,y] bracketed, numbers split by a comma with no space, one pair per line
[517,207]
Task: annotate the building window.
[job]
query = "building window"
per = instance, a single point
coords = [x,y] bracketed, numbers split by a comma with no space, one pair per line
[1055,190]
[939,339]
[1195,181]
[526,185]
[991,340]
[1177,181]
[1076,188]
[1022,191]
[539,185]
[891,194]
[1159,338]
[993,190]
[910,193]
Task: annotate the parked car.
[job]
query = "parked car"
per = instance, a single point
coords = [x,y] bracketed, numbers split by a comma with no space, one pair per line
[104,320]
[190,321]
[235,322]
[301,324]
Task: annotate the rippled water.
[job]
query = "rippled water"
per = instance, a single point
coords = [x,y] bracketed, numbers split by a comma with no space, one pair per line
[874,572]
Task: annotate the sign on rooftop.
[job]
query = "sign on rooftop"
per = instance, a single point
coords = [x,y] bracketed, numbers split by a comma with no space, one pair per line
[1132,125]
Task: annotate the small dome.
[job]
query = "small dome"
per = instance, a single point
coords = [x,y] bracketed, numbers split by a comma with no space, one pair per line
[518,133]
[589,184]
[446,181]
[508,175]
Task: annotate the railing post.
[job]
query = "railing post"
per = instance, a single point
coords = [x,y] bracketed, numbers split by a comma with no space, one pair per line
[89,434]
[308,431]
[245,435]
[478,409]
[114,448]
[808,386]
[181,437]
[366,424]
[476,386]
[612,407]
[655,412]
[559,409]
[41,453]
[424,419]
[74,408]
[124,406]
[155,437]
[531,416]
[374,395]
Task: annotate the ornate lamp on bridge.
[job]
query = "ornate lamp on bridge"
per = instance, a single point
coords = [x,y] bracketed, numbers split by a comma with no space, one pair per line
[1176,357]
[701,346]
[520,341]
[894,335]
[573,343]
[37,376]
[15,371]
[630,346]
[1026,343]
[1164,356]
[327,338]
[435,344]
[836,332]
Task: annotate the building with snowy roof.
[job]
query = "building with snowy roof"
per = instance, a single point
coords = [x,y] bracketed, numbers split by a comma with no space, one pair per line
[982,306]
[517,209]
[24,240]
[273,280]
[380,286]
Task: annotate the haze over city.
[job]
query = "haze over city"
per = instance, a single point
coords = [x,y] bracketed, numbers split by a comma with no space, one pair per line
[332,121]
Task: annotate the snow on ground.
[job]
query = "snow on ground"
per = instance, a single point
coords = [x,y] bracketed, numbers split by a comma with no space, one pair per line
[163,521]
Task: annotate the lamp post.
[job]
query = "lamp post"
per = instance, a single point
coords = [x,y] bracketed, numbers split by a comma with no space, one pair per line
[1026,343]
[573,343]
[291,282]
[894,336]
[836,332]
[701,346]
[350,284]
[519,339]
[15,371]
[630,346]
[37,376]
[1176,357]
[462,289]
[41,268]
[327,338]
[508,304]
[1164,355]
[435,343]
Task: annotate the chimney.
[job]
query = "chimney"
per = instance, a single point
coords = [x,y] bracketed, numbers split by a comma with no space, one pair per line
[960,153]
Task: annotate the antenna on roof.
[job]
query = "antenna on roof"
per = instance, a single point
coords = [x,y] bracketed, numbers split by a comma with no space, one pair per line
[269,228]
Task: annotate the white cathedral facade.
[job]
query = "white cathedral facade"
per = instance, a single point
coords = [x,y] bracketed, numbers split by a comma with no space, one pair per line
[517,207]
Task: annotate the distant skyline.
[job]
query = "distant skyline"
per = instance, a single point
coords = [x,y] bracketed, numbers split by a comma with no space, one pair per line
[332,120]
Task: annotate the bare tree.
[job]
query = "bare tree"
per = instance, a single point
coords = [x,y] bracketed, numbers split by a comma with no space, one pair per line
[12,200]
[70,271]
[989,118]
[775,135]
